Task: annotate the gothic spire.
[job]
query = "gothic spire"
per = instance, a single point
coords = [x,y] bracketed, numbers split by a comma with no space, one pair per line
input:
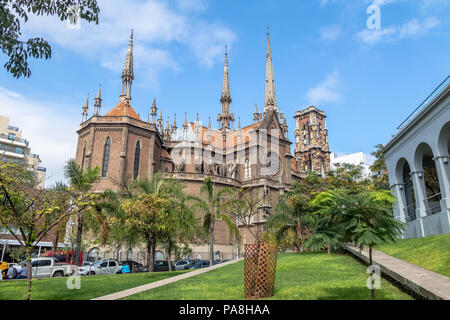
[174,125]
[270,100]
[256,114]
[225,117]
[85,109]
[98,101]
[127,73]
[153,111]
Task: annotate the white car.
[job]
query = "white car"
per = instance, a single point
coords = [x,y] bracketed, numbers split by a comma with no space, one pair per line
[105,266]
[180,264]
[46,267]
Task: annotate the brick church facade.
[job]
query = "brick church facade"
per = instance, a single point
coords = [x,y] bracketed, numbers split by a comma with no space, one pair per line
[256,157]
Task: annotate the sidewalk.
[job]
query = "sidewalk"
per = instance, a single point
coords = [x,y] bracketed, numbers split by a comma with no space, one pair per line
[426,283]
[145,287]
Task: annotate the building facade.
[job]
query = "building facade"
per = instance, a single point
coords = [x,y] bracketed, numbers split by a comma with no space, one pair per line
[256,157]
[417,159]
[357,159]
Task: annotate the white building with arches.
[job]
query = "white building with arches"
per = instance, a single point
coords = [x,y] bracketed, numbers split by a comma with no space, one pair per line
[417,159]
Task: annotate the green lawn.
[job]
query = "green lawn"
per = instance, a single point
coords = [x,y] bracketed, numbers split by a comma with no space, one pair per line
[299,276]
[432,253]
[91,286]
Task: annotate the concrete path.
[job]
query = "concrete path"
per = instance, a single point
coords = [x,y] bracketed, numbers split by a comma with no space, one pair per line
[145,287]
[426,283]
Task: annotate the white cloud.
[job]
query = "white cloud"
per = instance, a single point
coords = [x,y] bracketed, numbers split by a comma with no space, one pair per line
[331,32]
[48,125]
[157,24]
[326,91]
[411,29]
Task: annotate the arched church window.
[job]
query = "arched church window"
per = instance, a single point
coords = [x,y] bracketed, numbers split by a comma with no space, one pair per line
[82,159]
[137,156]
[106,157]
[247,169]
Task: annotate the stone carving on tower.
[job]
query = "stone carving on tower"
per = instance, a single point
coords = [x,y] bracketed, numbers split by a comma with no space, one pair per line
[311,141]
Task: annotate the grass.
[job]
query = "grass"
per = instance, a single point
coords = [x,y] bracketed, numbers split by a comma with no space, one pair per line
[299,276]
[432,253]
[91,286]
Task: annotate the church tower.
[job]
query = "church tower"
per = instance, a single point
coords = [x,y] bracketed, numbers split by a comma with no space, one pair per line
[270,98]
[311,141]
[225,119]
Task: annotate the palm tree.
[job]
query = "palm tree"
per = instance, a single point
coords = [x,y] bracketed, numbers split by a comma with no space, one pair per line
[293,213]
[366,216]
[213,208]
[81,182]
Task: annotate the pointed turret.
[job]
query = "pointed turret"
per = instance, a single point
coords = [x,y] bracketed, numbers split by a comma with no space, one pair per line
[225,118]
[153,111]
[85,110]
[270,100]
[160,122]
[167,130]
[98,101]
[256,115]
[127,73]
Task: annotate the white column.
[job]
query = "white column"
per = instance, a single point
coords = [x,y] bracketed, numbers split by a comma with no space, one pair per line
[400,207]
[420,194]
[3,251]
[443,171]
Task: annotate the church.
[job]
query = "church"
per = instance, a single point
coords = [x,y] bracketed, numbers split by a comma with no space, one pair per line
[256,157]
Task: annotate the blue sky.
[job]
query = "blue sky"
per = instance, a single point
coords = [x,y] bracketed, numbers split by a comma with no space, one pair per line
[367,81]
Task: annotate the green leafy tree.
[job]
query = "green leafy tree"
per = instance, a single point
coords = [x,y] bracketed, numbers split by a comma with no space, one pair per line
[31,210]
[14,13]
[379,170]
[81,183]
[366,216]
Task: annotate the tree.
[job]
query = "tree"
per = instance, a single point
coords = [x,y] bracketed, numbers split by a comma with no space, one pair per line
[33,211]
[293,213]
[378,168]
[366,216]
[15,12]
[245,205]
[213,207]
[81,182]
[148,216]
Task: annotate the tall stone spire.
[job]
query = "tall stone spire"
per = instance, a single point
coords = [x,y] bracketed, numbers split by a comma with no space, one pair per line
[225,118]
[127,73]
[270,99]
[98,101]
[160,123]
[256,115]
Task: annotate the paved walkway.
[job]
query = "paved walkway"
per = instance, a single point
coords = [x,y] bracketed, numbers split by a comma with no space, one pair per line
[426,283]
[145,287]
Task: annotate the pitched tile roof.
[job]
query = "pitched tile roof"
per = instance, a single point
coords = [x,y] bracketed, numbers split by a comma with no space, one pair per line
[123,110]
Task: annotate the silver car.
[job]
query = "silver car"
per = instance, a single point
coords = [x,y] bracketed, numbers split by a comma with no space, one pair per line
[105,266]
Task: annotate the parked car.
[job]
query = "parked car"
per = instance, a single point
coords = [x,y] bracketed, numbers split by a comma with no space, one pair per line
[163,266]
[46,267]
[135,267]
[217,262]
[198,264]
[63,256]
[180,264]
[105,266]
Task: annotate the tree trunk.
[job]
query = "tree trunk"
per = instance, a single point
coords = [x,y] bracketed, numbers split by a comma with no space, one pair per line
[78,239]
[300,236]
[371,274]
[167,252]
[56,240]
[29,272]
[329,248]
[151,254]
[211,244]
